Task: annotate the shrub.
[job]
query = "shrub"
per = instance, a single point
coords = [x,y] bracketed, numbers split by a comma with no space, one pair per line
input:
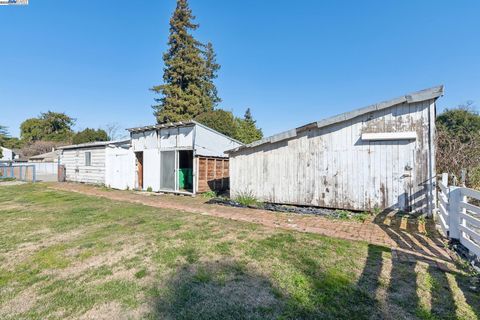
[149,189]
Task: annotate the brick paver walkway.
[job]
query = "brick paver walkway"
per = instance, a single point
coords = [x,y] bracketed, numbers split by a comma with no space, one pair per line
[402,235]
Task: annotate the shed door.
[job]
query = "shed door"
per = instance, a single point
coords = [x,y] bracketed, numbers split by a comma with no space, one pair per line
[167,170]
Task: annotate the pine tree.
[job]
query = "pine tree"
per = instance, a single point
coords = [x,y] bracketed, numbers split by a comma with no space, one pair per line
[247,131]
[211,69]
[190,68]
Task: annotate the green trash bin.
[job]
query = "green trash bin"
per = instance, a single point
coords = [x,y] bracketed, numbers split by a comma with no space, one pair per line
[185,179]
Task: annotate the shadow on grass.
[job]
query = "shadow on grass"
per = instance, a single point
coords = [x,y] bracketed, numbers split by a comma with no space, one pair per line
[217,290]
[221,290]
[307,290]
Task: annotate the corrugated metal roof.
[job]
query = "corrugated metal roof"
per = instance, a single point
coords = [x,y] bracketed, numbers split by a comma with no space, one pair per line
[95,144]
[165,125]
[423,95]
[180,124]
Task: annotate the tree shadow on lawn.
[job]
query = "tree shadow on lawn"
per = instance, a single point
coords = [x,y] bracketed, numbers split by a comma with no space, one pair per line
[305,289]
[230,290]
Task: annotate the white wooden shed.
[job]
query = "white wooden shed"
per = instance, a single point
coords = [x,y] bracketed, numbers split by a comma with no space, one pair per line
[381,156]
[109,163]
[183,157]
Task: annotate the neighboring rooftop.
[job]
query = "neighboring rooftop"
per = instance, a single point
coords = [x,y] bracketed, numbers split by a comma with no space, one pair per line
[95,144]
[423,95]
[48,156]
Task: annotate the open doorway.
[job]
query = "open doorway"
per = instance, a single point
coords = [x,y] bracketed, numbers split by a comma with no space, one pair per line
[185,170]
[139,166]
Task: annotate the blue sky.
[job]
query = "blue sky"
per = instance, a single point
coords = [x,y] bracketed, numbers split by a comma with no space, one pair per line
[292,62]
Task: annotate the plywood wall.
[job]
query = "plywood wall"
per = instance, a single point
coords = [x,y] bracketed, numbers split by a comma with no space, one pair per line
[333,167]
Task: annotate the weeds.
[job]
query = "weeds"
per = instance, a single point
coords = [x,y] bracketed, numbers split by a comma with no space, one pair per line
[209,194]
[247,198]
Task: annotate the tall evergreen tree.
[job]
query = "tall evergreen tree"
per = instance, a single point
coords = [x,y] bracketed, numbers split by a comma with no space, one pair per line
[211,70]
[190,68]
[247,130]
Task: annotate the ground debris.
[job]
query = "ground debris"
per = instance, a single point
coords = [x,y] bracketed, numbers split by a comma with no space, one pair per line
[339,214]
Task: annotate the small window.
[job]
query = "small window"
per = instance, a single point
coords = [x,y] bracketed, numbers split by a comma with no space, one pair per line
[88,159]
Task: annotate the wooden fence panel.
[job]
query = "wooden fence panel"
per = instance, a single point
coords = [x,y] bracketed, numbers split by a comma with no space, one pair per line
[213,174]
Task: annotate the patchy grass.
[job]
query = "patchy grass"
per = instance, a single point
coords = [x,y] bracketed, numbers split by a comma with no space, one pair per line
[65,255]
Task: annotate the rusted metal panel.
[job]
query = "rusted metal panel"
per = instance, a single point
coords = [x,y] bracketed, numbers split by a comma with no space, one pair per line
[332,166]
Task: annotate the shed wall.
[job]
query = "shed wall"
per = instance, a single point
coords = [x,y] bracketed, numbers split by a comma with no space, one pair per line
[77,171]
[333,167]
[119,168]
[212,144]
[151,169]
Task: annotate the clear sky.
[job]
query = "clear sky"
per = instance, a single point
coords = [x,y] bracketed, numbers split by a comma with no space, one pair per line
[292,62]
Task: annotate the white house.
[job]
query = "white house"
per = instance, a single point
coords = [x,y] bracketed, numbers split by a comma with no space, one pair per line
[183,157]
[381,156]
[7,155]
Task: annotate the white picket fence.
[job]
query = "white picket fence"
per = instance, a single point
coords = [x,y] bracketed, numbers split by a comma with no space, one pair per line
[458,217]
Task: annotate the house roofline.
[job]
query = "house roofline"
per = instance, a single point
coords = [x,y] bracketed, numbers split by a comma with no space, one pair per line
[94,144]
[179,124]
[418,96]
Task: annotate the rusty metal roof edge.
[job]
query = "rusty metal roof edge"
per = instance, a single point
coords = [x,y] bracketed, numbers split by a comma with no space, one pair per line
[422,95]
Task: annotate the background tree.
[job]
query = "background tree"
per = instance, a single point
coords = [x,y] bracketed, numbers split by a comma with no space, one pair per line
[7,141]
[247,131]
[49,126]
[32,130]
[190,68]
[244,130]
[90,135]
[462,121]
[458,143]
[220,120]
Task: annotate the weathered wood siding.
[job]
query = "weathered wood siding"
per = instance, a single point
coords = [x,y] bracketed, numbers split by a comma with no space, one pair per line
[77,171]
[333,167]
[213,174]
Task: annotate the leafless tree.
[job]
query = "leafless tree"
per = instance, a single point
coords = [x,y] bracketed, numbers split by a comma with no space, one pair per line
[39,147]
[112,130]
[453,155]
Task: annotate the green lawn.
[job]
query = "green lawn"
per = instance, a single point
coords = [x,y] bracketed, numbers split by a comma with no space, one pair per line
[65,255]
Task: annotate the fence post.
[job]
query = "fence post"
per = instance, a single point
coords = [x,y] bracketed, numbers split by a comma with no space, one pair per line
[445,179]
[463,177]
[454,199]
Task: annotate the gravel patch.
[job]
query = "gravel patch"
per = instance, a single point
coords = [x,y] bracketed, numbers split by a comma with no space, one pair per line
[332,213]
